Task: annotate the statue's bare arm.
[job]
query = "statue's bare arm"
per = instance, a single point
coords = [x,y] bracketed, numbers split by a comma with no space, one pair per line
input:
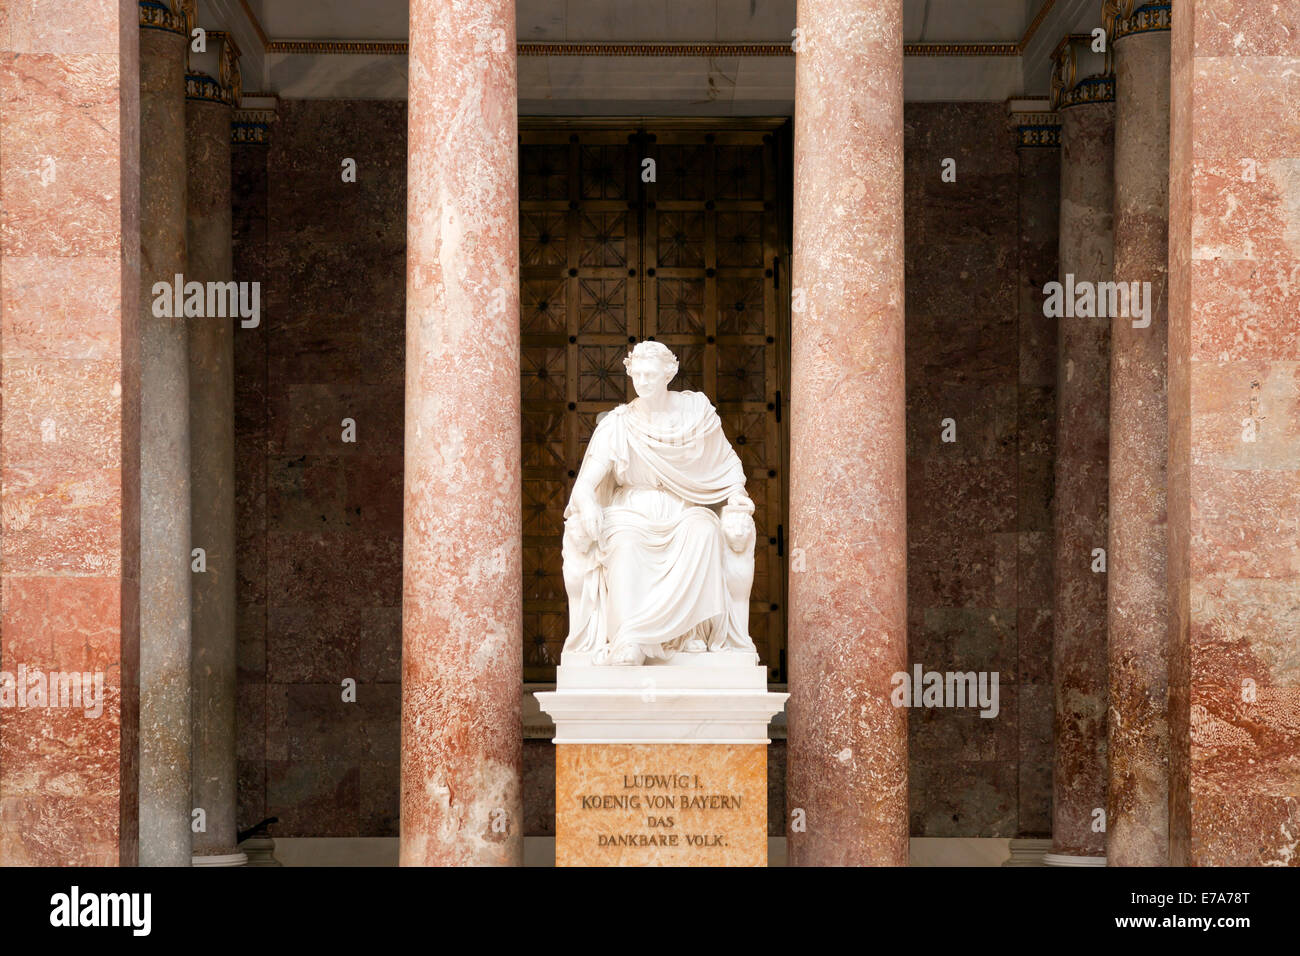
[587,509]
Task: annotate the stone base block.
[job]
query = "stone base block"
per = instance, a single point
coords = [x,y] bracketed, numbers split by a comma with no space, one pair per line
[1028,851]
[678,804]
[1069,859]
[219,859]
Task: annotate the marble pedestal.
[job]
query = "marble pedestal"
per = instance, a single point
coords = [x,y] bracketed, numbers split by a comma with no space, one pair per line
[661,765]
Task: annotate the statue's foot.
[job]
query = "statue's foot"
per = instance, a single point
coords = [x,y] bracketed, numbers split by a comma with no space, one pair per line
[628,656]
[695,646]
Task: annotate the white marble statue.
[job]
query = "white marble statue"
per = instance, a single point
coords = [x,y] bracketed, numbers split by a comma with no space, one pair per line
[659,533]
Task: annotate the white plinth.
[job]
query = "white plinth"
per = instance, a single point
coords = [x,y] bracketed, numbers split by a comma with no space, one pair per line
[1066,859]
[220,859]
[708,698]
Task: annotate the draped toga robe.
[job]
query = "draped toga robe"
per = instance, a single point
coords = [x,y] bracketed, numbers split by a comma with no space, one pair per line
[658,576]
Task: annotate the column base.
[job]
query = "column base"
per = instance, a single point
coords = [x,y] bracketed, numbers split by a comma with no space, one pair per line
[219,859]
[260,851]
[1029,852]
[1068,859]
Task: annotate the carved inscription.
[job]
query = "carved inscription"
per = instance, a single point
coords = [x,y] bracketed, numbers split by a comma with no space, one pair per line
[661,804]
[667,810]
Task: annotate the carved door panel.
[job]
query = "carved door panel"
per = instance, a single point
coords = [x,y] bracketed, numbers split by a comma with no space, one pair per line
[712,265]
[691,259]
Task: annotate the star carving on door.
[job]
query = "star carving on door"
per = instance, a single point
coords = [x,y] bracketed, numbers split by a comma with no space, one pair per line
[542,239]
[604,239]
[604,172]
[602,305]
[681,306]
[544,172]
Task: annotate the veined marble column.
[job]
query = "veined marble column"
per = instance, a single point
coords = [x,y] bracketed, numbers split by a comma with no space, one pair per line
[165,540]
[1083,93]
[1234,435]
[462,599]
[847,781]
[209,97]
[69,435]
[1137,814]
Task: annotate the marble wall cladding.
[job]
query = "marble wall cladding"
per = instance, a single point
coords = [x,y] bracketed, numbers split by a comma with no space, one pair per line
[1039,204]
[539,788]
[320,518]
[248,180]
[979,352]
[1234,441]
[69,373]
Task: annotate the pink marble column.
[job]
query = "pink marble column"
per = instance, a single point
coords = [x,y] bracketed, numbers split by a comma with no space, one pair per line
[1234,435]
[212,453]
[847,783]
[69,430]
[165,540]
[1137,814]
[462,601]
[1086,105]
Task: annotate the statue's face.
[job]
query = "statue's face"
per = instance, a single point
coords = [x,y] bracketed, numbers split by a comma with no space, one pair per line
[649,378]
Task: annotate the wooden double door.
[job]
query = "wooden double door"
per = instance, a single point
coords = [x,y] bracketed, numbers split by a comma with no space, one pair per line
[676,232]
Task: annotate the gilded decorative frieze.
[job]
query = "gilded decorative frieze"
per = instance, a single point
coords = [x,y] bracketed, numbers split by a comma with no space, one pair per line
[1126,17]
[174,16]
[401,48]
[1042,130]
[384,48]
[227,87]
[961,49]
[1043,137]
[1091,89]
[1036,125]
[654,49]
[229,76]
[251,127]
[1081,75]
[200,86]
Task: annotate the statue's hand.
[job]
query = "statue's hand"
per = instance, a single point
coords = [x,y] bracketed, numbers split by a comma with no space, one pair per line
[583,520]
[738,526]
[575,535]
[740,500]
[590,518]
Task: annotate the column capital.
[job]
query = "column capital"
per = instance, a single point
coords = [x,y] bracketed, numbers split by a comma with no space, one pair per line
[221,58]
[1037,125]
[250,123]
[173,16]
[1124,18]
[1080,75]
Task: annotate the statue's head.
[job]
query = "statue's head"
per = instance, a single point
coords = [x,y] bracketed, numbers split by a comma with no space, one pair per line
[651,366]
